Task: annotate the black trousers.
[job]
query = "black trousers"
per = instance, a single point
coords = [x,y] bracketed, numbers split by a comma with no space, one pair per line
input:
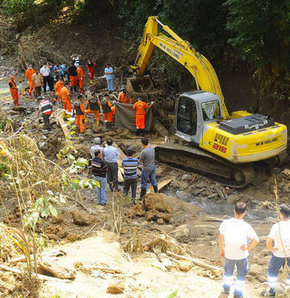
[46,80]
[130,183]
[112,175]
[46,121]
[37,91]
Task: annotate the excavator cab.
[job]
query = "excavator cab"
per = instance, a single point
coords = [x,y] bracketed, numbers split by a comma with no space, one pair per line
[194,110]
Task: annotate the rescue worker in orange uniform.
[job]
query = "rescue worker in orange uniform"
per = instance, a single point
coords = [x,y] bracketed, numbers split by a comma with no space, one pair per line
[93,107]
[79,109]
[123,97]
[140,107]
[14,90]
[65,96]
[73,79]
[107,110]
[29,72]
[57,87]
[81,77]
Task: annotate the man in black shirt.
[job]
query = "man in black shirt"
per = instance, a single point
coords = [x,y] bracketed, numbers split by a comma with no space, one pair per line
[72,71]
[99,170]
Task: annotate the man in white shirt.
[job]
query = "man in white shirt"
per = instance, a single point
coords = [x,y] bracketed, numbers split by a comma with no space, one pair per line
[233,244]
[280,237]
[45,71]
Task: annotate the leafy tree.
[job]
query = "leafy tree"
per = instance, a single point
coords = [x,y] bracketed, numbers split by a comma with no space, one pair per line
[261,36]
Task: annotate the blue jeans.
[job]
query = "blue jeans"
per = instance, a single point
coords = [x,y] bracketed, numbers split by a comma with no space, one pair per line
[102,190]
[273,269]
[242,269]
[145,175]
[110,84]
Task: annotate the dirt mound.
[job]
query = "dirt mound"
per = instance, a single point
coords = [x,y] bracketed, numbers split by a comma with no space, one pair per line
[82,218]
[154,208]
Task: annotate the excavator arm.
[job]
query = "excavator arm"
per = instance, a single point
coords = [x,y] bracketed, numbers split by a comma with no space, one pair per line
[180,50]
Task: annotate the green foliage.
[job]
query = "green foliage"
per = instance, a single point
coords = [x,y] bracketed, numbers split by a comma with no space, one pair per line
[173,294]
[42,208]
[260,31]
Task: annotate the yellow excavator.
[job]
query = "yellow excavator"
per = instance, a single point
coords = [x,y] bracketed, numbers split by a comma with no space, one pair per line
[215,142]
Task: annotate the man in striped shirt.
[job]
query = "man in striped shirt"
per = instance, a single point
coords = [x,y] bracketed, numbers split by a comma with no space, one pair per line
[45,107]
[130,165]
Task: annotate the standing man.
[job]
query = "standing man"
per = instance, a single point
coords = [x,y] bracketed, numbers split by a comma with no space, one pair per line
[147,158]
[29,72]
[45,107]
[78,107]
[97,146]
[91,70]
[123,97]
[111,154]
[81,78]
[130,165]
[140,107]
[107,109]
[14,90]
[93,106]
[57,71]
[45,72]
[278,242]
[109,73]
[76,59]
[66,102]
[233,244]
[72,72]
[37,80]
[99,170]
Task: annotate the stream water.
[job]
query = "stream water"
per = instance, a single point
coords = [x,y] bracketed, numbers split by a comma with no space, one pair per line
[213,206]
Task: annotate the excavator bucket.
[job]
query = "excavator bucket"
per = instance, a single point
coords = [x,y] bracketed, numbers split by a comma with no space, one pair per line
[137,86]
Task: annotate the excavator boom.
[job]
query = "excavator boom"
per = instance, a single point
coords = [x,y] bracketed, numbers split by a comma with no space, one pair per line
[180,50]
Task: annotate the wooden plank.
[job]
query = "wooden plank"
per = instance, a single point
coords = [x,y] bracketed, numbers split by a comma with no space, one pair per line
[39,276]
[161,184]
[58,116]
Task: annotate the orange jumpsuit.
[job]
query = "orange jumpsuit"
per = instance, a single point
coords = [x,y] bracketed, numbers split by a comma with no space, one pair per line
[94,108]
[80,112]
[14,90]
[124,98]
[81,77]
[109,116]
[140,107]
[64,93]
[28,74]
[58,85]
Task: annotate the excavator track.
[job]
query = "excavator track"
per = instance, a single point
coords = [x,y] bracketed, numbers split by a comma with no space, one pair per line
[235,176]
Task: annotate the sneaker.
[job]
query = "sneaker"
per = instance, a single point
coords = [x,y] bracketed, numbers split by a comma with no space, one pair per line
[268,293]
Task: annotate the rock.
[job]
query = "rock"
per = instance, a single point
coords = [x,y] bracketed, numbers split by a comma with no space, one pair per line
[212,196]
[43,146]
[160,221]
[286,173]
[162,131]
[184,265]
[116,288]
[182,195]
[186,177]
[54,269]
[81,139]
[82,218]
[201,184]
[181,233]
[150,216]
[276,171]
[232,199]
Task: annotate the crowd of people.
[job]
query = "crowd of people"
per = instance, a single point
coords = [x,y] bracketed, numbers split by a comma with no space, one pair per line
[67,83]
[105,168]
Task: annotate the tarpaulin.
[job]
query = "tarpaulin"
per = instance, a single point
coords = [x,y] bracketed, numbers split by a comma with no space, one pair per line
[125,117]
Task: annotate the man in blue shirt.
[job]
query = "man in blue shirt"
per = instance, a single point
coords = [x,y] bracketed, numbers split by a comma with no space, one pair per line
[111,154]
[109,73]
[130,165]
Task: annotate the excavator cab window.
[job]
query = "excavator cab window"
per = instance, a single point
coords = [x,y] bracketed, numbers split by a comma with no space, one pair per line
[211,110]
[186,116]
